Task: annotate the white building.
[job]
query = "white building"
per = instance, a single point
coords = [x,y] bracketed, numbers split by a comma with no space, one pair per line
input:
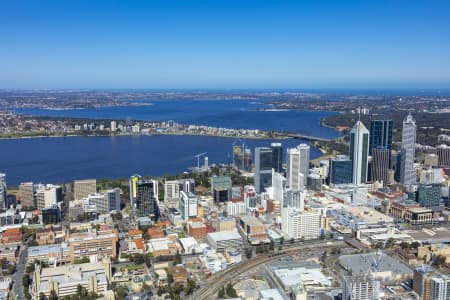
[113,126]
[359,151]
[295,198]
[440,287]
[297,166]
[278,186]
[3,190]
[47,195]
[236,208]
[188,205]
[298,224]
[360,288]
[408,152]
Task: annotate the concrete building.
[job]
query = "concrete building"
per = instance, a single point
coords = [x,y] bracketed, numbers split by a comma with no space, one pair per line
[3,191]
[297,166]
[27,198]
[295,198]
[47,195]
[359,150]
[380,165]
[443,153]
[172,189]
[113,198]
[440,287]
[64,280]
[360,288]
[431,160]
[236,208]
[188,205]
[299,224]
[226,224]
[221,188]
[113,126]
[93,245]
[263,168]
[408,152]
[429,195]
[252,227]
[82,188]
[224,239]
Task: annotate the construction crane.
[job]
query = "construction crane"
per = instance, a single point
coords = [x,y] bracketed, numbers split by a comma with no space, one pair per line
[198,159]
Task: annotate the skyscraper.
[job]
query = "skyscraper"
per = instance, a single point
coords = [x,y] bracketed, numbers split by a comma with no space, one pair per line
[380,164]
[359,150]
[147,199]
[380,135]
[3,191]
[297,166]
[341,170]
[429,194]
[27,198]
[188,205]
[443,153]
[82,188]
[407,172]
[263,168]
[277,156]
[440,287]
[360,288]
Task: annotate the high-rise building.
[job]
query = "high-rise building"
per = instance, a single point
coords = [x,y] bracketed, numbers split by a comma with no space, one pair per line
[82,188]
[407,171]
[188,205]
[27,198]
[429,195]
[431,160]
[360,288]
[297,166]
[440,287]
[221,188]
[113,199]
[380,165]
[359,150]
[380,135]
[146,202]
[3,191]
[295,199]
[242,158]
[278,186]
[113,126]
[300,224]
[277,156]
[422,281]
[263,168]
[443,153]
[341,170]
[47,195]
[172,189]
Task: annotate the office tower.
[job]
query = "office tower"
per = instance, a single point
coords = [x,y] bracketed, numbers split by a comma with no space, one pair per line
[407,171]
[297,166]
[221,188]
[380,135]
[146,202]
[380,165]
[278,186]
[295,199]
[263,168]
[443,153]
[341,170]
[172,189]
[27,194]
[46,196]
[314,181]
[113,126]
[277,156]
[133,191]
[429,195]
[300,224]
[360,288]
[434,175]
[82,188]
[242,158]
[113,199]
[3,191]
[422,281]
[440,287]
[188,205]
[359,150]
[431,160]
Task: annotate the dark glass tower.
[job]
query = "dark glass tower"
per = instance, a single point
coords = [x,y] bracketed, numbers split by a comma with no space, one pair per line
[380,135]
[277,156]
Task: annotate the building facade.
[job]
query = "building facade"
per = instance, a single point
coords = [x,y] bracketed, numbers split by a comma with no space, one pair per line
[263,168]
[359,151]
[297,166]
[408,152]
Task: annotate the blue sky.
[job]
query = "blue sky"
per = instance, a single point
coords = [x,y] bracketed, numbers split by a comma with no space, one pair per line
[224,44]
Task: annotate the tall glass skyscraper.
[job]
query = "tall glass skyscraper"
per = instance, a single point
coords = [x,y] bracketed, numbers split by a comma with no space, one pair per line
[380,164]
[277,156]
[263,168]
[380,134]
[297,166]
[407,171]
[340,170]
[359,151]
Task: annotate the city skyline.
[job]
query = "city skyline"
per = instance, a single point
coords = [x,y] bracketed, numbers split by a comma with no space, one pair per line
[172,44]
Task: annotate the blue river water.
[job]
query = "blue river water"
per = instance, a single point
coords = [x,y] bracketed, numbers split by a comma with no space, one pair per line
[63,159]
[58,160]
[218,113]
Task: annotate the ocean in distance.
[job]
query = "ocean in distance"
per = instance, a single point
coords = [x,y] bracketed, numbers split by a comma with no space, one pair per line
[64,159]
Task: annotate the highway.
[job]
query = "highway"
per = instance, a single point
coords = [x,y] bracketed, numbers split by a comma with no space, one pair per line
[20,270]
[210,287]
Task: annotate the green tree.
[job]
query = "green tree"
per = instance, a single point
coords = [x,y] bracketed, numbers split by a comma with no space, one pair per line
[221,293]
[231,292]
[53,295]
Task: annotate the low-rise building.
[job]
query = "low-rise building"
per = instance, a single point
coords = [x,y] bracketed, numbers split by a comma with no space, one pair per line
[197,230]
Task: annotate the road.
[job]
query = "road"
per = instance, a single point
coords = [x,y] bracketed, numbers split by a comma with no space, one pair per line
[20,270]
[210,287]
